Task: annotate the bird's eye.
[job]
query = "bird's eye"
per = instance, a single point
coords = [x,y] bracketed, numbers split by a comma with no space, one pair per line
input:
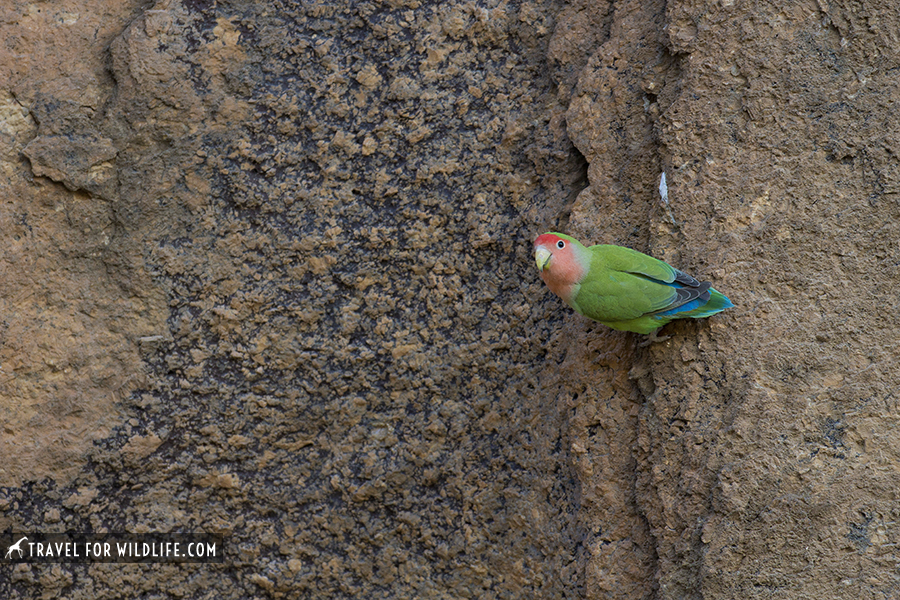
[560,244]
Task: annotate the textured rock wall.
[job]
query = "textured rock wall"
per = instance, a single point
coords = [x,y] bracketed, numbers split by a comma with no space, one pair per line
[267,273]
[301,233]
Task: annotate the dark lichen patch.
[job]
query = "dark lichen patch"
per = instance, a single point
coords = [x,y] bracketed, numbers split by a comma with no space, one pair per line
[859,533]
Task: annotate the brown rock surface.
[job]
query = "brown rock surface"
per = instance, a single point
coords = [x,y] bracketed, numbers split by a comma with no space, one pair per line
[268,273]
[766,455]
[76,294]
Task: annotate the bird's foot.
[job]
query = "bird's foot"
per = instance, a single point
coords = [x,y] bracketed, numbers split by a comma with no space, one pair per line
[652,338]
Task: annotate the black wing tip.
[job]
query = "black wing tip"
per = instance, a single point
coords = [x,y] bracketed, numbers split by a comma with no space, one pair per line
[682,277]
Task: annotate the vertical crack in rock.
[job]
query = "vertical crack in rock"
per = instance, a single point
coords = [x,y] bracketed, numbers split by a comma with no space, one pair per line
[613,69]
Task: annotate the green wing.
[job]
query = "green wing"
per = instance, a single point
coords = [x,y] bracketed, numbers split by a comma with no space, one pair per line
[624,284]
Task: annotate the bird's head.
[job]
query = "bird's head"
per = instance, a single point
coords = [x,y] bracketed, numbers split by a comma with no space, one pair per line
[552,250]
[562,261]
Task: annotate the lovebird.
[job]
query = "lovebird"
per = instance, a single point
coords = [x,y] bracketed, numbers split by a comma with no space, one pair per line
[621,287]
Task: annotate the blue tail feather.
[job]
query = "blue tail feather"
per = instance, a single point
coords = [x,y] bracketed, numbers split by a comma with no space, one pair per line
[717,303]
[684,308]
[698,309]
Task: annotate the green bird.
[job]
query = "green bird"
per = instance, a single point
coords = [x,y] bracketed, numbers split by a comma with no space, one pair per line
[620,287]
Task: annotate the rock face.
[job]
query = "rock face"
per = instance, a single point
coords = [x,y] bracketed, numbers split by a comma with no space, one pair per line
[77,293]
[268,273]
[765,446]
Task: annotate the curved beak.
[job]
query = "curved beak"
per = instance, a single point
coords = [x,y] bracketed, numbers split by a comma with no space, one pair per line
[541,257]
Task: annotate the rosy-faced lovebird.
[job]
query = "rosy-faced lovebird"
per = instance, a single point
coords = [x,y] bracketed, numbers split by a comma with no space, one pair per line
[621,287]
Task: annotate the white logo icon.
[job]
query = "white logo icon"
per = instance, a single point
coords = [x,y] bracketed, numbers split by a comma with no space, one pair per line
[16,547]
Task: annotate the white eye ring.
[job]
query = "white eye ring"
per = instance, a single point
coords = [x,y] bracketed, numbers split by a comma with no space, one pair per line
[560,244]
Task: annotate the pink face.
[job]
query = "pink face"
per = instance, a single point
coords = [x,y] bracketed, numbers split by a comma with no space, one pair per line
[560,268]
[552,252]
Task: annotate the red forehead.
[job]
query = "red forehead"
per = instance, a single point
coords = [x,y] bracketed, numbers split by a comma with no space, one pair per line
[548,239]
